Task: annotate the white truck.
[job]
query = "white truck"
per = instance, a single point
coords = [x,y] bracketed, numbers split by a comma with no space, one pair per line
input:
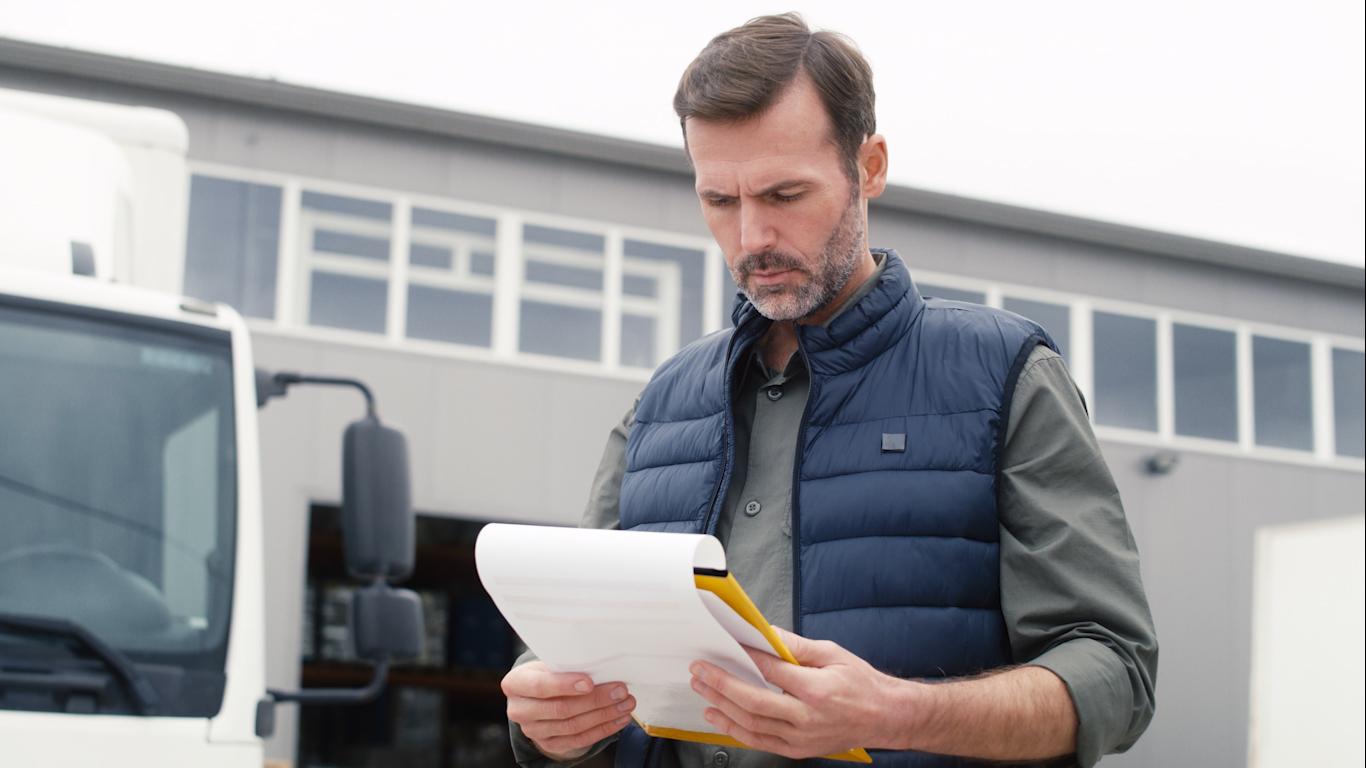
[131,571]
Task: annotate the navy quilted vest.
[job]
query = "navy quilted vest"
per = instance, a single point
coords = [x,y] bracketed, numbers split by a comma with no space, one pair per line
[895,553]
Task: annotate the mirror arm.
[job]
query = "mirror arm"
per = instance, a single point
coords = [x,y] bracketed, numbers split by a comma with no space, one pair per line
[337,695]
[270,385]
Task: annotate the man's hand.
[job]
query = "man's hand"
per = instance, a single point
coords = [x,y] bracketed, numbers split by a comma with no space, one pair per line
[836,701]
[565,714]
[833,703]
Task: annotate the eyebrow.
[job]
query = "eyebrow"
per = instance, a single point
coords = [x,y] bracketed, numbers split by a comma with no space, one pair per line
[770,189]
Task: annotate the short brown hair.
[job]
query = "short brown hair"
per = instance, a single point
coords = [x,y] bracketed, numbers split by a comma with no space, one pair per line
[741,73]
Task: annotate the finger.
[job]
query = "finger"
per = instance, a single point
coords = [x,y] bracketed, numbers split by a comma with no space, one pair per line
[587,720]
[811,653]
[790,677]
[751,721]
[526,709]
[749,698]
[535,681]
[753,739]
[562,745]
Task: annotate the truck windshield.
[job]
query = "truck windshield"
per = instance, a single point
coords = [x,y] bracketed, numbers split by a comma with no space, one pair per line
[118,480]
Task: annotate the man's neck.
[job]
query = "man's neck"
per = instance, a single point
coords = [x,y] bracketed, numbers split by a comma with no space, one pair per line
[780,342]
[778,345]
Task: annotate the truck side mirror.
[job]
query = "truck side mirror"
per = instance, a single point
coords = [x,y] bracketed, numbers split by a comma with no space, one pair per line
[378,540]
[377,510]
[386,623]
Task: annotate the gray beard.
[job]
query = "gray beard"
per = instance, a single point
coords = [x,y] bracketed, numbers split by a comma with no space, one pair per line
[839,256]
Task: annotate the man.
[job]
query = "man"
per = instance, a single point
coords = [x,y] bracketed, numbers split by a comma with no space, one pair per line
[914,482]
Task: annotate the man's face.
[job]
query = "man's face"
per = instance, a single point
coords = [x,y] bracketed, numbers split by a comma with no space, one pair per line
[776,198]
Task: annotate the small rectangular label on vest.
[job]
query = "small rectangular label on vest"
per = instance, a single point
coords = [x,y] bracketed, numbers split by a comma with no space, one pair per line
[893,443]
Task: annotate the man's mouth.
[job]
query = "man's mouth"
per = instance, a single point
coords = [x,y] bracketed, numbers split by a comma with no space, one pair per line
[770,277]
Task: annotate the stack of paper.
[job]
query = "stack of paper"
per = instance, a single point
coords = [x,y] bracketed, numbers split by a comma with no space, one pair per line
[630,607]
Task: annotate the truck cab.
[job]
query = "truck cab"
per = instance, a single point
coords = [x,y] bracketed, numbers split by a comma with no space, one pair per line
[129,508]
[131,569]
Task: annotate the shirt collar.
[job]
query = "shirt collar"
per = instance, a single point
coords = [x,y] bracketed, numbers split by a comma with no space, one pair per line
[795,365]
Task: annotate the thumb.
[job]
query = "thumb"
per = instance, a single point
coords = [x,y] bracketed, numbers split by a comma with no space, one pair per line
[811,653]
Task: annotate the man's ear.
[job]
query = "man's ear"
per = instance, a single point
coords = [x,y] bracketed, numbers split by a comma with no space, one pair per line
[872,166]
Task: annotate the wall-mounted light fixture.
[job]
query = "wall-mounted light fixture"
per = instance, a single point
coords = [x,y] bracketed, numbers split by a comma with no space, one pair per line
[1162,462]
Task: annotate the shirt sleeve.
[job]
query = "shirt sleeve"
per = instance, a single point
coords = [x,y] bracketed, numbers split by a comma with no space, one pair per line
[603,511]
[604,497]
[1071,593]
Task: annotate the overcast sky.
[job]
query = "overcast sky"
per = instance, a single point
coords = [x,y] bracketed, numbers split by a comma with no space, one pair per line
[1234,121]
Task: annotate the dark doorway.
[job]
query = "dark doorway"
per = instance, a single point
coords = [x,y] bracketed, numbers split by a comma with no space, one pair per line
[443,711]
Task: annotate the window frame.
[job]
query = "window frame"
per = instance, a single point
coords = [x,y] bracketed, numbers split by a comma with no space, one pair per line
[508,287]
[1081,367]
[296,261]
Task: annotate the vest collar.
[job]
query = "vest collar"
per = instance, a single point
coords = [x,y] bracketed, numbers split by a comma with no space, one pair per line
[861,333]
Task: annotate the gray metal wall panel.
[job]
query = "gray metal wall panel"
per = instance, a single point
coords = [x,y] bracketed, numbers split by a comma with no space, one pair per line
[365,155]
[1194,529]
[251,138]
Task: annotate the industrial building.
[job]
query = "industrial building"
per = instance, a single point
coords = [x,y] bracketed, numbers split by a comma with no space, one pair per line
[506,290]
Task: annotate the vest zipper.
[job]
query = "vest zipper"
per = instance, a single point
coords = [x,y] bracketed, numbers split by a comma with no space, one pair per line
[728,459]
[811,390]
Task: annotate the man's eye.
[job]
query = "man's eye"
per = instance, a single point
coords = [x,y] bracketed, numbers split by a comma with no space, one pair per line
[790,198]
[720,202]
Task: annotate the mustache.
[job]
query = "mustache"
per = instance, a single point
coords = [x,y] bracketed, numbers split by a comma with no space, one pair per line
[768,261]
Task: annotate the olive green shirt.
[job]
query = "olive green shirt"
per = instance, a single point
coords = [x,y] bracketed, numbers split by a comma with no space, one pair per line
[1071,594]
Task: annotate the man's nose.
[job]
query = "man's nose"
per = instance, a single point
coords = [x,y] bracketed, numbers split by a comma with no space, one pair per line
[757,233]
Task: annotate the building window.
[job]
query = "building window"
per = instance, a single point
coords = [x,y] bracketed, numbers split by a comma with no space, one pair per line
[232,244]
[348,302]
[561,311]
[1125,371]
[661,301]
[1055,318]
[451,266]
[345,253]
[1349,402]
[1281,393]
[1204,367]
[379,264]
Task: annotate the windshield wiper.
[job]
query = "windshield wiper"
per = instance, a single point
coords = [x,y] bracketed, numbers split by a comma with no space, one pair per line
[139,688]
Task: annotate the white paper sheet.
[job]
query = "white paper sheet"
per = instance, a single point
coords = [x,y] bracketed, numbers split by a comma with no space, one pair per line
[620,606]
[744,633]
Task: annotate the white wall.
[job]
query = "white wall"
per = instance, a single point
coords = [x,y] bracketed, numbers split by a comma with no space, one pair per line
[1309,645]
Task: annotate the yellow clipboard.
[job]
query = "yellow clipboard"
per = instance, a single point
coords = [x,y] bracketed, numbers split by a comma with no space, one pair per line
[730,592]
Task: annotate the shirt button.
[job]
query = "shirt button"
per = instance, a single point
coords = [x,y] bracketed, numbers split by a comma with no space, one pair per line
[753,508]
[720,759]
[774,393]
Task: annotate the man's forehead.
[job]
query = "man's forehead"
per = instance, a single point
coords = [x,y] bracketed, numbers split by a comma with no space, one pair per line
[764,168]
[722,148]
[794,132]
[757,173]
